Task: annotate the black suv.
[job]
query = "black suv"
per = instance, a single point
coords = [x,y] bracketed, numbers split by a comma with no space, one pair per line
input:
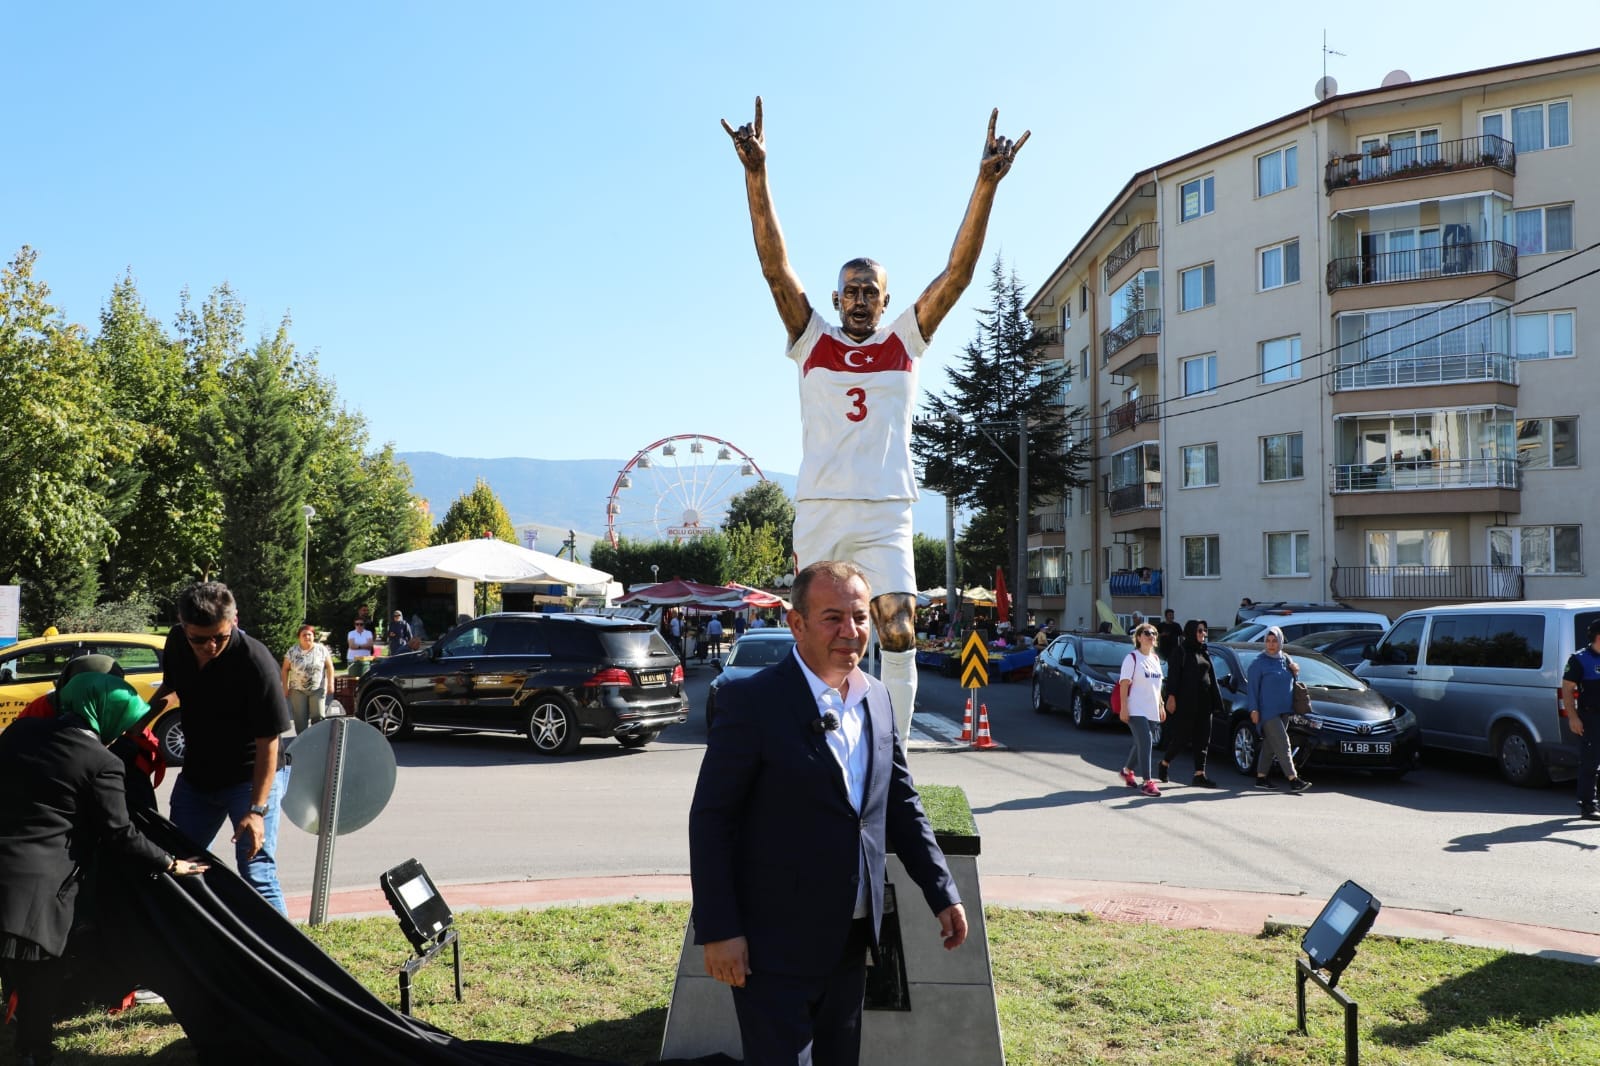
[556,678]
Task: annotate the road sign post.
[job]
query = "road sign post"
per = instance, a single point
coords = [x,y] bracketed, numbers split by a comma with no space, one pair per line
[974,662]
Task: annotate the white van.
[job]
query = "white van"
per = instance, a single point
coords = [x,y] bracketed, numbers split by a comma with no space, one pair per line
[1484,677]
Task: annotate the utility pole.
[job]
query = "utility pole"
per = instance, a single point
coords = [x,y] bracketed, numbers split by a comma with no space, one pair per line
[1019,597]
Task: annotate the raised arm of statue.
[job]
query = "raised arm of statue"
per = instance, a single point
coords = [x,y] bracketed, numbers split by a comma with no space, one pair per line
[787,293]
[941,295]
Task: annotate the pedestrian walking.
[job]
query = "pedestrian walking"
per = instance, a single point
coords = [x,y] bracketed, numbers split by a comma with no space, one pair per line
[1580,702]
[1140,682]
[1193,697]
[307,678]
[1270,682]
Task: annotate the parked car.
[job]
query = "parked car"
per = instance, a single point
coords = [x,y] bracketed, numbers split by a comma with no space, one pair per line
[1077,672]
[1351,726]
[750,654]
[29,668]
[1244,614]
[1297,624]
[1347,647]
[554,678]
[1482,678]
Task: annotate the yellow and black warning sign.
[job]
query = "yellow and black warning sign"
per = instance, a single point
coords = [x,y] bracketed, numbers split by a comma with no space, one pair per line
[974,662]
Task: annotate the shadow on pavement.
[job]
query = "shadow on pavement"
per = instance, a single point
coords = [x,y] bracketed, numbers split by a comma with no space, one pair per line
[1537,832]
[1512,990]
[433,749]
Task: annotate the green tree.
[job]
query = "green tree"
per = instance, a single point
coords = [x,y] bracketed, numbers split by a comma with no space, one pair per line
[755,557]
[702,559]
[987,542]
[764,504]
[964,431]
[927,557]
[60,452]
[260,451]
[474,514]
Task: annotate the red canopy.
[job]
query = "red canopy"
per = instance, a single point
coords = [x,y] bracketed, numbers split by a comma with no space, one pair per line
[1002,599]
[757,598]
[678,592]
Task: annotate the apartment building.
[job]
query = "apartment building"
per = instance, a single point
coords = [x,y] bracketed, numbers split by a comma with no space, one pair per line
[1340,356]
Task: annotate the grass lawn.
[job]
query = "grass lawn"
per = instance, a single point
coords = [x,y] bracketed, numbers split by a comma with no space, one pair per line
[1072,989]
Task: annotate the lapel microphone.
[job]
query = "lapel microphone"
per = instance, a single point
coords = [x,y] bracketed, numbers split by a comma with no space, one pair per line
[826,724]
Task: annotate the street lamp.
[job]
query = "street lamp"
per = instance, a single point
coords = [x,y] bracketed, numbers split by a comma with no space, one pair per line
[309,512]
[654,570]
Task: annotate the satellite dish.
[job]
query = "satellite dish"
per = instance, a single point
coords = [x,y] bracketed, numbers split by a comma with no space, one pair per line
[1396,77]
[1326,87]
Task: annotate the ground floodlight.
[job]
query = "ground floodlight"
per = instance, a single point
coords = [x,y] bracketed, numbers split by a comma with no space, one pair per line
[1331,941]
[426,920]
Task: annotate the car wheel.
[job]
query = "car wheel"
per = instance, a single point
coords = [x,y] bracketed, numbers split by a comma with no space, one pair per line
[1082,713]
[1519,759]
[385,710]
[638,740]
[1040,704]
[1246,745]
[552,727]
[169,735]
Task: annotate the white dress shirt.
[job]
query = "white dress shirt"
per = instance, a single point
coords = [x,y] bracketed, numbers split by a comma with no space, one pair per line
[849,746]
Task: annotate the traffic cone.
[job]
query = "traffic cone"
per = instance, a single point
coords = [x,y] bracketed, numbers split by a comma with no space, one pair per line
[966,721]
[984,741]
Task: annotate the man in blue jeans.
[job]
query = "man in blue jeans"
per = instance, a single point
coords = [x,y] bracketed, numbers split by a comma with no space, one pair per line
[231,692]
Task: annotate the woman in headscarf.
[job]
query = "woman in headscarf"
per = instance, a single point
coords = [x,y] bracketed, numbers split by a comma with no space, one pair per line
[62,799]
[1271,688]
[1192,698]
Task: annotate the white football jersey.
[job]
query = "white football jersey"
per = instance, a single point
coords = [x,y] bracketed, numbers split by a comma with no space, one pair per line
[856,402]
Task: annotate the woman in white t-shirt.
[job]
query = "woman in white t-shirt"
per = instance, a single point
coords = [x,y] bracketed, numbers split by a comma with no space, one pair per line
[1142,709]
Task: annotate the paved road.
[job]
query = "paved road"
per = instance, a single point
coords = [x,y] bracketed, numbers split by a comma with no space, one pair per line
[1450,837]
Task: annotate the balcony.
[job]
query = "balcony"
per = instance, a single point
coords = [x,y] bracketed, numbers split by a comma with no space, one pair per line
[1047,335]
[1144,582]
[1411,475]
[1145,323]
[1130,498]
[1418,161]
[1054,521]
[1047,586]
[1145,235]
[1385,372]
[1135,412]
[1432,584]
[1422,264]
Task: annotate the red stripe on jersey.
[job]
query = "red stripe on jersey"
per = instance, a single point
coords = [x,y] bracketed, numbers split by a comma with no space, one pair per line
[830,353]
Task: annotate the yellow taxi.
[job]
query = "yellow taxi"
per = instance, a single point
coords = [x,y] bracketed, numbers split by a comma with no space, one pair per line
[29,668]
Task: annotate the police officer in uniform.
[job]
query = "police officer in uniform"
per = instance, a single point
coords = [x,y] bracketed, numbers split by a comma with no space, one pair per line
[1580,701]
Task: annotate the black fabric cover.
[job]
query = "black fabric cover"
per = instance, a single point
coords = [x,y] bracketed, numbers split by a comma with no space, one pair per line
[247,986]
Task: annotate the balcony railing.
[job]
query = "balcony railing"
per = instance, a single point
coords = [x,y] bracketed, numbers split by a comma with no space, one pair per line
[1422,264]
[1136,583]
[1047,586]
[1435,584]
[1409,475]
[1134,498]
[1048,522]
[1139,324]
[1391,371]
[1442,157]
[1145,235]
[1047,335]
[1130,414]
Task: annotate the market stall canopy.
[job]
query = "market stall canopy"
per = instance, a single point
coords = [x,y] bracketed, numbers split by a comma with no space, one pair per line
[484,559]
[754,597]
[681,593]
[934,593]
[979,595]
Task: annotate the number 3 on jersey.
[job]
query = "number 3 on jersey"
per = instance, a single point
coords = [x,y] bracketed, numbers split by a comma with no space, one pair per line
[858,408]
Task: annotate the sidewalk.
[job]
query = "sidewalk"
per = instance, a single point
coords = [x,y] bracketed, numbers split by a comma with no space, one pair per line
[1178,908]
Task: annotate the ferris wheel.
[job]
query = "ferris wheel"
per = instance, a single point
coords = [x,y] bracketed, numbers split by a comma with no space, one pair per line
[677,488]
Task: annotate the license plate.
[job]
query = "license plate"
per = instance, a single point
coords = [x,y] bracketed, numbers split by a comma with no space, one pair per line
[1365,747]
[653,678]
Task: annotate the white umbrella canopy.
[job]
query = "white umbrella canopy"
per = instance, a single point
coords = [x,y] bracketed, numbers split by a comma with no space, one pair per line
[484,559]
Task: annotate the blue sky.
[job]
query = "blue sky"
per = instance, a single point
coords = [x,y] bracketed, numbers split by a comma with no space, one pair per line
[519,230]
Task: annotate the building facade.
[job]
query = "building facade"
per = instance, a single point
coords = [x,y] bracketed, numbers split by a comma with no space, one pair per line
[1340,356]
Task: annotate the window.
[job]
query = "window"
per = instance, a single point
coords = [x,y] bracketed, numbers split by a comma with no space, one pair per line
[1532,128]
[1388,548]
[1277,171]
[1288,554]
[1200,375]
[1544,229]
[1134,295]
[1280,265]
[1504,641]
[1547,443]
[1280,360]
[1199,286]
[1066,317]
[1086,499]
[1546,335]
[1199,465]
[1066,571]
[1537,549]
[1403,642]
[1085,567]
[1282,457]
[1196,198]
[1083,298]
[1083,364]
[1202,556]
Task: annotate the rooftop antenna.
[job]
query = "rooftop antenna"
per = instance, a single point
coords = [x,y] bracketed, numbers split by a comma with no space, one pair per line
[1326,86]
[1326,52]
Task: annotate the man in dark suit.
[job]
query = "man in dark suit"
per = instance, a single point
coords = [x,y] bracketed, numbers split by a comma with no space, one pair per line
[803,787]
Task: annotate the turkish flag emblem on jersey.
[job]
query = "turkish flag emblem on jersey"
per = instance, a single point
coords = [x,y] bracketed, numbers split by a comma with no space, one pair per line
[830,353]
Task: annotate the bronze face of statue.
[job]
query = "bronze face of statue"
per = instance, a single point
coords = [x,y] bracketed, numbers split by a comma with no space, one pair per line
[861,298]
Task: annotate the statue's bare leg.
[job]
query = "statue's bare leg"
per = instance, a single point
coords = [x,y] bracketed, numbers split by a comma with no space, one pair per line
[894,613]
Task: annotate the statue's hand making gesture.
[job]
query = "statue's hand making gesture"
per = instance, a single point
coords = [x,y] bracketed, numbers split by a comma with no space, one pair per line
[752,149]
[998,152]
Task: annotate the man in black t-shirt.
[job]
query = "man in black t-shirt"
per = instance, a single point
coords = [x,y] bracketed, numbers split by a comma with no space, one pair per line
[231,692]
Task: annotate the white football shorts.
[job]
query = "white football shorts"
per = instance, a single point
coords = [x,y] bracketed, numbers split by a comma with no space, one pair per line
[875,535]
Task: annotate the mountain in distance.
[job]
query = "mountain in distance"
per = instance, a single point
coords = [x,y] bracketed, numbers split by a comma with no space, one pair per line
[562,494]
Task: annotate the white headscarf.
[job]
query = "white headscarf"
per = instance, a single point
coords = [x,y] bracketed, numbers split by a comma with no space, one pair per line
[1274,631]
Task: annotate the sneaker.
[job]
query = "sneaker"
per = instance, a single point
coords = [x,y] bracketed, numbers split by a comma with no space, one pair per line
[1128,778]
[1202,781]
[1161,771]
[1299,784]
[1150,789]
[1589,814]
[146,996]
[1265,784]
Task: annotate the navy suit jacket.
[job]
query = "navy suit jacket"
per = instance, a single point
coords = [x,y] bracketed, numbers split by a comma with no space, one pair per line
[774,844]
